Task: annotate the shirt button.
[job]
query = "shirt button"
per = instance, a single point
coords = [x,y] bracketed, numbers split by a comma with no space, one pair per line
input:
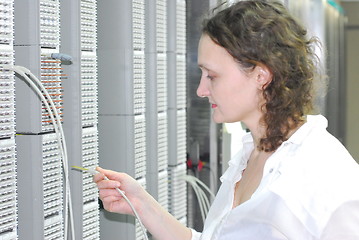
[271,170]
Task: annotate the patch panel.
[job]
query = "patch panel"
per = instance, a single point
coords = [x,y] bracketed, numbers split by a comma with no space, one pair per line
[161,82]
[6,22]
[181,27]
[41,208]
[88,25]
[138,25]
[7,95]
[138,231]
[52,185]
[140,146]
[177,191]
[181,136]
[89,93]
[162,141]
[139,83]
[161,26]
[49,23]
[51,76]
[90,223]
[163,188]
[8,185]
[181,81]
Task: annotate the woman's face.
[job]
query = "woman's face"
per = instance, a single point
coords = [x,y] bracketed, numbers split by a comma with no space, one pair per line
[234,95]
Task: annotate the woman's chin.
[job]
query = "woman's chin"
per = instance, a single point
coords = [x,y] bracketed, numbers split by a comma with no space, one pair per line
[217,119]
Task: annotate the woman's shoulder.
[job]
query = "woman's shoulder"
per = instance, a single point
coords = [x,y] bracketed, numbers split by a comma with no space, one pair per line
[317,173]
[318,155]
[314,141]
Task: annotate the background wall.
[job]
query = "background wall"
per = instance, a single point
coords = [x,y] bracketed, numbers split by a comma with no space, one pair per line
[352,62]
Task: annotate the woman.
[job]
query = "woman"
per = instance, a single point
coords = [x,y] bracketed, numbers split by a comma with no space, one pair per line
[292,179]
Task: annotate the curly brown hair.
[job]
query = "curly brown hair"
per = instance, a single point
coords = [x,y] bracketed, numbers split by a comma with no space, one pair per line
[261,32]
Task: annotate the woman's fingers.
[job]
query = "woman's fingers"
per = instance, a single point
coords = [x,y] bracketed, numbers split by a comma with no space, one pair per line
[113,175]
[109,194]
[112,202]
[98,177]
[103,184]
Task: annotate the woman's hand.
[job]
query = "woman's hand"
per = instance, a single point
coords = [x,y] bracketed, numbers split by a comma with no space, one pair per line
[112,199]
[156,219]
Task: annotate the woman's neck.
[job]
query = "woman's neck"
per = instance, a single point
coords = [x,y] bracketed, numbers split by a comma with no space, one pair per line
[258,131]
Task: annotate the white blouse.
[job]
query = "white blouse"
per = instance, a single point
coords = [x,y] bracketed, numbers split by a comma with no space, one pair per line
[309,190]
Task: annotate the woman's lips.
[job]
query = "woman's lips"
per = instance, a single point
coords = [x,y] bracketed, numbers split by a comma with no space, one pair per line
[214,105]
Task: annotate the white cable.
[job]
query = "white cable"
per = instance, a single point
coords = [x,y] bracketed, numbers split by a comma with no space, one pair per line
[203,185]
[206,188]
[198,195]
[203,198]
[134,211]
[57,127]
[203,201]
[196,180]
[200,200]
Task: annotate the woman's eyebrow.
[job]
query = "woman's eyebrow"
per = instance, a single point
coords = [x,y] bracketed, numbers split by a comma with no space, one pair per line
[201,66]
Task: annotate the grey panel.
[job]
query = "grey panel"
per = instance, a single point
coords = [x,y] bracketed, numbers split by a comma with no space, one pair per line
[41,202]
[79,40]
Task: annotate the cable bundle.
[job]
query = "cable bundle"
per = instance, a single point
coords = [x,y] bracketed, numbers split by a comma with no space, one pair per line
[203,201]
[42,92]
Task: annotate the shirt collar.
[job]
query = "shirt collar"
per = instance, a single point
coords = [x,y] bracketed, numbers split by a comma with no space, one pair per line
[241,158]
[313,122]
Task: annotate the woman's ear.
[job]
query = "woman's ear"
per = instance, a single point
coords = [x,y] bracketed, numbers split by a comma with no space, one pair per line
[263,76]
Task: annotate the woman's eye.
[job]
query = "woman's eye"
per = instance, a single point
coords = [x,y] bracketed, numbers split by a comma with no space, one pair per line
[210,77]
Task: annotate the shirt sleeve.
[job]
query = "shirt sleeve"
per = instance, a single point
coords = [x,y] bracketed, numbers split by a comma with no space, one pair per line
[195,235]
[343,223]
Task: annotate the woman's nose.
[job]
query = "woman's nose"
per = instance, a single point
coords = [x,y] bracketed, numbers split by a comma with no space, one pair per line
[202,90]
